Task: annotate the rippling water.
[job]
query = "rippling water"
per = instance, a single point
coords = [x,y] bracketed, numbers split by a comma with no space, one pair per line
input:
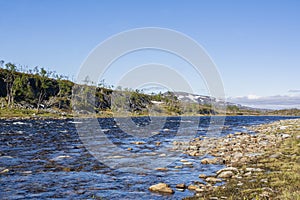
[51,159]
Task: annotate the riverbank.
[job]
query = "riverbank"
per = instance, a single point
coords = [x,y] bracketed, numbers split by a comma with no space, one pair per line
[265,165]
[15,113]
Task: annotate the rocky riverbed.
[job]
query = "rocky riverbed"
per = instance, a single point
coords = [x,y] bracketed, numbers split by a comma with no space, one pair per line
[249,160]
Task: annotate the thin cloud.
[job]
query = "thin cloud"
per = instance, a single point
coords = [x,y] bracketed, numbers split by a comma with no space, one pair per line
[270,102]
[294,91]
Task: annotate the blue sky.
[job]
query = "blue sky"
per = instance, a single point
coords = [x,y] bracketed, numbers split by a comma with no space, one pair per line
[255,44]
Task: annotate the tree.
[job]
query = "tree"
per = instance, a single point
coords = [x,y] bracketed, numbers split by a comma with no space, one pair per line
[22,90]
[9,80]
[1,63]
[64,89]
[44,85]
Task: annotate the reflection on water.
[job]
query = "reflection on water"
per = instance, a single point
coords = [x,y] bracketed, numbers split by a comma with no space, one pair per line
[47,158]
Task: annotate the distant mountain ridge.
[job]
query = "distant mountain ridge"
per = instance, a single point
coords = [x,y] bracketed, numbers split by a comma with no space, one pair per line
[206,100]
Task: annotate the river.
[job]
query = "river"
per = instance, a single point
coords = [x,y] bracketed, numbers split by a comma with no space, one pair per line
[109,159]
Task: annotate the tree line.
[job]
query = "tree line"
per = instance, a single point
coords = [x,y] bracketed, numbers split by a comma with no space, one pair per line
[38,88]
[32,87]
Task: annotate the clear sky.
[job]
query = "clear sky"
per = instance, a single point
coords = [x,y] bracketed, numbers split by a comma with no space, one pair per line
[255,44]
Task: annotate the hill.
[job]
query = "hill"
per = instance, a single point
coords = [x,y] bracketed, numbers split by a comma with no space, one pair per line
[41,92]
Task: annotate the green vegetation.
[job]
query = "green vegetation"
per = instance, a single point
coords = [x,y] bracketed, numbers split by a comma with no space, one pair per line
[35,92]
[294,112]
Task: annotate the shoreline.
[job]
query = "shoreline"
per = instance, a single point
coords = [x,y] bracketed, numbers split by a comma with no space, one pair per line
[23,114]
[265,165]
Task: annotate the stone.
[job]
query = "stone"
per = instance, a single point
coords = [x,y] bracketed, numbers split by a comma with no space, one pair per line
[199,190]
[161,169]
[249,169]
[193,147]
[205,161]
[161,187]
[248,174]
[284,136]
[238,133]
[209,161]
[264,180]
[192,187]
[178,167]
[213,179]
[202,176]
[283,127]
[4,171]
[138,142]
[226,174]
[188,163]
[240,184]
[60,158]
[233,169]
[276,155]
[181,186]
[193,153]
[27,172]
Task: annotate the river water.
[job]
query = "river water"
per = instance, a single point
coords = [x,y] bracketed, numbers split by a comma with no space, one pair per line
[70,159]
